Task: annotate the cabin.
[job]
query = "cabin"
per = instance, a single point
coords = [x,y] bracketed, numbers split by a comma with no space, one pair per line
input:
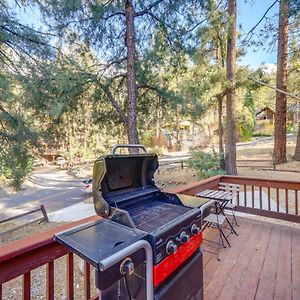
[266,113]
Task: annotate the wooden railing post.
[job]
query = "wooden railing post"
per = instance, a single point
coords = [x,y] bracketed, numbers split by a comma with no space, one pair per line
[70,276]
[260,197]
[50,280]
[245,195]
[296,202]
[269,198]
[87,281]
[26,286]
[287,201]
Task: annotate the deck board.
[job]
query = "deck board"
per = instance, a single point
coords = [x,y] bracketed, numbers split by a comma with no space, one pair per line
[283,284]
[295,264]
[254,262]
[267,278]
[213,288]
[263,263]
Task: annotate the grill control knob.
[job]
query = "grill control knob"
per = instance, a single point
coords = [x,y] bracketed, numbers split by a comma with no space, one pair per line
[184,237]
[195,229]
[171,247]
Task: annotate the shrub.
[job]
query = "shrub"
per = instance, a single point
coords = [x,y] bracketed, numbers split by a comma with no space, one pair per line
[205,164]
[290,128]
[157,150]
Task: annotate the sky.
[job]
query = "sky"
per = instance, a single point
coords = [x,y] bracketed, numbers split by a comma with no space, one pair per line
[249,12]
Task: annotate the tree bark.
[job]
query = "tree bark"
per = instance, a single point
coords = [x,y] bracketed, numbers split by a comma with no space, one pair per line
[230,150]
[297,149]
[279,152]
[220,131]
[131,124]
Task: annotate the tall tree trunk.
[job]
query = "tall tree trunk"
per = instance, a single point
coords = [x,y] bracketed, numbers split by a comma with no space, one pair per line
[220,131]
[177,130]
[131,123]
[230,150]
[281,79]
[297,149]
[158,122]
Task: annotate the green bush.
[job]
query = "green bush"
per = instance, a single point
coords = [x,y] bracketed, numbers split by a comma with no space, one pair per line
[147,139]
[246,132]
[206,164]
[157,150]
[290,128]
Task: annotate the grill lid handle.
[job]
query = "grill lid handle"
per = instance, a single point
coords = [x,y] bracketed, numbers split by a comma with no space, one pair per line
[128,146]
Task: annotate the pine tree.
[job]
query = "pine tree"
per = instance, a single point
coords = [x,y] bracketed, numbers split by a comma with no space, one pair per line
[281,83]
[230,150]
[120,33]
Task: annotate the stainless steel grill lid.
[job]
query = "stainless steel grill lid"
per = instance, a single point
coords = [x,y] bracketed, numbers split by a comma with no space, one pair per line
[118,177]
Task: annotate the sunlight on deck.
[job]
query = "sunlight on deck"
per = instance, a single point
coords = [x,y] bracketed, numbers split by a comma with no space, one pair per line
[262,263]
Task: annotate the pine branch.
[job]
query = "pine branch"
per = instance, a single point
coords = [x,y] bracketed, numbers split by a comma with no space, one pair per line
[23,37]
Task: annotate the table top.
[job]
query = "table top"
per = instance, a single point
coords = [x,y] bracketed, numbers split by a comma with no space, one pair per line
[217,195]
[192,201]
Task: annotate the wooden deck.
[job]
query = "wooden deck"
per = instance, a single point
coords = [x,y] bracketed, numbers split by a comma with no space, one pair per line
[262,263]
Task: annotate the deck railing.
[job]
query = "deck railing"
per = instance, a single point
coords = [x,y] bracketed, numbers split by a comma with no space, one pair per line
[22,257]
[264,197]
[271,198]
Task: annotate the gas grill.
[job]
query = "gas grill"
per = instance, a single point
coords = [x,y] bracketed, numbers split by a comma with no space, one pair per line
[136,212]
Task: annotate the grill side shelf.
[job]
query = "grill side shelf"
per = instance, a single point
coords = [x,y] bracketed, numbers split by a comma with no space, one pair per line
[98,240]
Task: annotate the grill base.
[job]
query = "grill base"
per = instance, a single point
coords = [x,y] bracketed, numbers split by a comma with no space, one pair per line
[186,283]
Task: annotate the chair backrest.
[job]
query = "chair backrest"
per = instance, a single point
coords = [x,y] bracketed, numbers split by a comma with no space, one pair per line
[229,187]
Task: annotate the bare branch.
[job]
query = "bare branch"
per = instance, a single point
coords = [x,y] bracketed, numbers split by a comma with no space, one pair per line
[275,88]
[147,9]
[113,15]
[113,101]
[261,19]
[196,25]
[159,20]
[149,87]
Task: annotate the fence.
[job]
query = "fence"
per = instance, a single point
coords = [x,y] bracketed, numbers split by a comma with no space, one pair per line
[43,218]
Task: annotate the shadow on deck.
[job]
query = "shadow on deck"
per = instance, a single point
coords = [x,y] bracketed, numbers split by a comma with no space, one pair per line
[262,263]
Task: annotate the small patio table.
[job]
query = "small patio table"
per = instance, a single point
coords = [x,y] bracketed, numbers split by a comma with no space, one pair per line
[223,199]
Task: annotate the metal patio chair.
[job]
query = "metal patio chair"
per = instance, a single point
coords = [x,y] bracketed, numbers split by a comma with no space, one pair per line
[234,190]
[216,220]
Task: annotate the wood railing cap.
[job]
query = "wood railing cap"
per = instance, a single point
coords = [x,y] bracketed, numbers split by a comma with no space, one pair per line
[195,184]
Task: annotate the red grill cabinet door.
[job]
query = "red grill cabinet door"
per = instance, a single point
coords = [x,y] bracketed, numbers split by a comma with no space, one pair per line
[186,283]
[165,268]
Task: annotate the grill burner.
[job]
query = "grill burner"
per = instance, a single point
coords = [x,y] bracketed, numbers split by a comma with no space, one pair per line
[154,215]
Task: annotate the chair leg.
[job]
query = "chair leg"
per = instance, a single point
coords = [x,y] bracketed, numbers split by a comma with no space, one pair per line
[221,238]
[232,229]
[234,218]
[224,236]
